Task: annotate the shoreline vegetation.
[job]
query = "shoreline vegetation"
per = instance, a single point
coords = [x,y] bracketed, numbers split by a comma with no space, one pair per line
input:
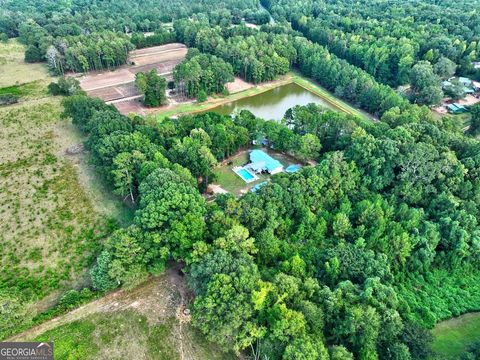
[291,77]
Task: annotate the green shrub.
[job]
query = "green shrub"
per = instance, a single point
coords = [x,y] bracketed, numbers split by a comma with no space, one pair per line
[8,99]
[202,96]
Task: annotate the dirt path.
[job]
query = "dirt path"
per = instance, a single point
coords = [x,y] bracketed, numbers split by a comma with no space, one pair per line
[158,299]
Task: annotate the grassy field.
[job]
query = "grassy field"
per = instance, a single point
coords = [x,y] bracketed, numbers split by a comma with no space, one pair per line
[49,229]
[13,70]
[452,337]
[126,335]
[51,226]
[258,89]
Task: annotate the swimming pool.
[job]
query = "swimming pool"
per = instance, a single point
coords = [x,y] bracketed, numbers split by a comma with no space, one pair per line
[293,168]
[246,175]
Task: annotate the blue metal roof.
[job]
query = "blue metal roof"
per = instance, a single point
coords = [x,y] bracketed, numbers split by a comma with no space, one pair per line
[259,156]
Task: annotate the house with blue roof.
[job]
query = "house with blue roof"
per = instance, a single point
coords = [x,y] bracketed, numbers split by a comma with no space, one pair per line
[260,161]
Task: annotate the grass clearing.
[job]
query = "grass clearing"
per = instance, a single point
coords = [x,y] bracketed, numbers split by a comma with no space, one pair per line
[144,323]
[49,230]
[453,336]
[126,335]
[52,226]
[31,90]
[14,70]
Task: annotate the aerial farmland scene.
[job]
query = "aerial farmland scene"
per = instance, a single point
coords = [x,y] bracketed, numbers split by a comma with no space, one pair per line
[240,179]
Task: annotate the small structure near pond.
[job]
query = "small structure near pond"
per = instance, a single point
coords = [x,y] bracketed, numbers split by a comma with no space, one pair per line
[260,162]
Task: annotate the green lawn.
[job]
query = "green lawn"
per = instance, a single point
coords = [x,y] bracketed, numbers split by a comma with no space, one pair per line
[33,89]
[452,337]
[227,179]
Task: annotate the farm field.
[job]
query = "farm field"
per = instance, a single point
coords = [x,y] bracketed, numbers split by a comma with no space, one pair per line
[118,87]
[145,323]
[453,336]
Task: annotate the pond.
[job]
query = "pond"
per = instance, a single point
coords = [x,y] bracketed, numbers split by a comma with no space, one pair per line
[273,104]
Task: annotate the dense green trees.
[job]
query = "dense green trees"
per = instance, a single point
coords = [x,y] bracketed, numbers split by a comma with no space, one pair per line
[89,36]
[475,120]
[201,74]
[387,39]
[159,37]
[353,257]
[153,87]
[255,56]
[65,86]
[425,84]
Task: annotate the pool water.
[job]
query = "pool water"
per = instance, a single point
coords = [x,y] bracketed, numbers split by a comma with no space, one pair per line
[245,175]
[293,168]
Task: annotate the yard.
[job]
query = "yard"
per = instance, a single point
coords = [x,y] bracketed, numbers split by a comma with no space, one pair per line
[230,181]
[51,225]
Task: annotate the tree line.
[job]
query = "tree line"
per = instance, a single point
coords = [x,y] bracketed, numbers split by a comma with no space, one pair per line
[202,73]
[387,39]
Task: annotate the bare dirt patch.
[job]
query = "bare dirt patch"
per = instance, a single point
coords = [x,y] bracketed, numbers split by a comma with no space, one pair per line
[468,100]
[161,301]
[117,87]
[238,85]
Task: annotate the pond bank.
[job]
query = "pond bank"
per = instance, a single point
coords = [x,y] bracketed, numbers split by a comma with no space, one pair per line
[291,77]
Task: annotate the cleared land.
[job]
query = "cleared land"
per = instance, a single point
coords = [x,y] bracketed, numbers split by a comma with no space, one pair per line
[13,70]
[145,323]
[51,224]
[452,337]
[50,227]
[117,87]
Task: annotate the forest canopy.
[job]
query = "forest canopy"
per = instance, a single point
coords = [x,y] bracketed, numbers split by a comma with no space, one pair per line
[328,260]
[356,255]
